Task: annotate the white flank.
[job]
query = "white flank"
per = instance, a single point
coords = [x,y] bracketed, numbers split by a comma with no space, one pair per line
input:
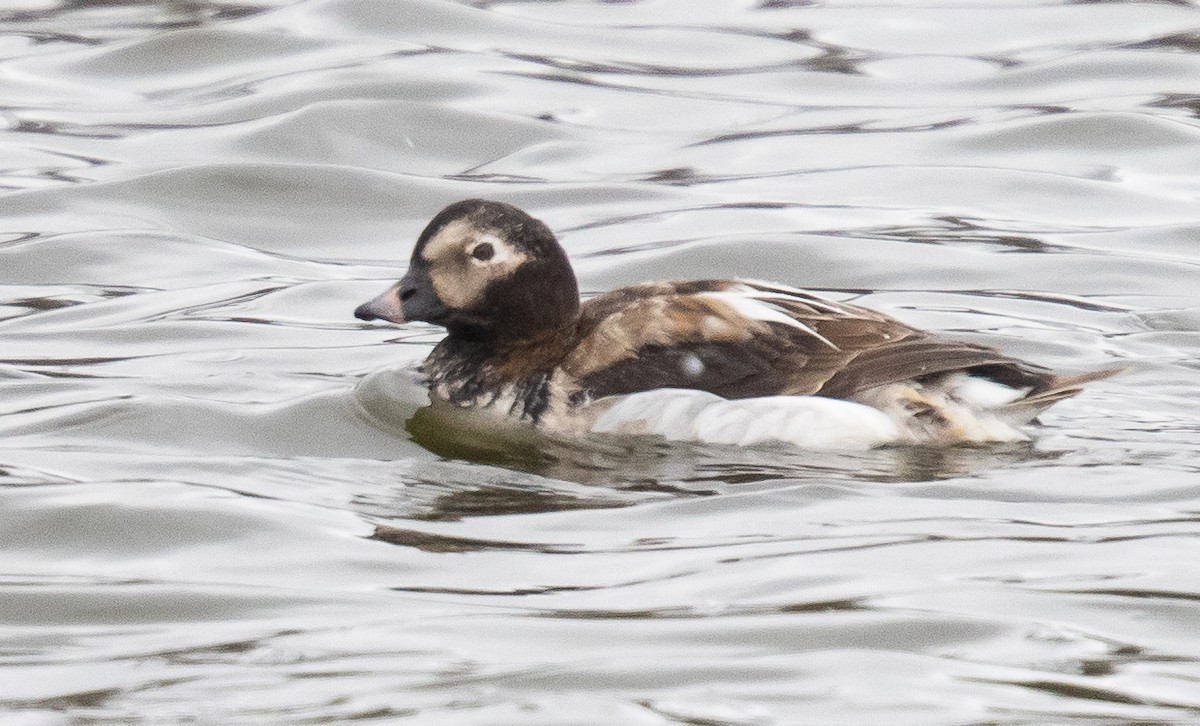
[804,421]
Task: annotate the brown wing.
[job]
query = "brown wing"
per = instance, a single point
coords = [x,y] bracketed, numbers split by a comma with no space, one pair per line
[741,339]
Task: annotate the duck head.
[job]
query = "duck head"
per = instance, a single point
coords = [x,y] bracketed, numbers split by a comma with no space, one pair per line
[483,270]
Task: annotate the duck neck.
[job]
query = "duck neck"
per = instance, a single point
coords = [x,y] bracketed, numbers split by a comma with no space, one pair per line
[479,371]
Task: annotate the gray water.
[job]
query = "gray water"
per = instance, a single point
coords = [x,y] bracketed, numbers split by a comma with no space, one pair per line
[211,511]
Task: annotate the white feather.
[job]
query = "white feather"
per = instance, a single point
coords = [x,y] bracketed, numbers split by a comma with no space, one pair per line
[982,393]
[775,291]
[746,301]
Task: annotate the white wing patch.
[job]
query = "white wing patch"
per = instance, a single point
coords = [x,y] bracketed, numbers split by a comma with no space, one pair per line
[752,304]
[775,291]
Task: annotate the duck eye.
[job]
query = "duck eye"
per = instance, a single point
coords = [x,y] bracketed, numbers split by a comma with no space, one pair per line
[483,251]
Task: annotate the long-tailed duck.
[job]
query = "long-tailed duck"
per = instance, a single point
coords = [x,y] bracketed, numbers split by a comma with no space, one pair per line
[721,361]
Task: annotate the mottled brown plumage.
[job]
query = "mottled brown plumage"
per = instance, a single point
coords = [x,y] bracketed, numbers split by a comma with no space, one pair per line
[518,338]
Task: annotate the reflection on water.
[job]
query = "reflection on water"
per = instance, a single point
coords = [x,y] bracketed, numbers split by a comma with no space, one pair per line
[220,503]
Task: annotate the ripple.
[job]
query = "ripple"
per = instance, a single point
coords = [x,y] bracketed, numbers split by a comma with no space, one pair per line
[221,504]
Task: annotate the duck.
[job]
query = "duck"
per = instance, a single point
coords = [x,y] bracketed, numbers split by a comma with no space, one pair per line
[721,361]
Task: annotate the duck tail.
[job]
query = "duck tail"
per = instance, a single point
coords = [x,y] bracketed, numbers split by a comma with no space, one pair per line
[1054,389]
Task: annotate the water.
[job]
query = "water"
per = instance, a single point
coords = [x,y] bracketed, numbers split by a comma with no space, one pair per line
[211,511]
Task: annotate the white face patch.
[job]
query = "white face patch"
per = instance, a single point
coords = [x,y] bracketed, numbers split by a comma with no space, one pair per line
[499,255]
[448,238]
[461,267]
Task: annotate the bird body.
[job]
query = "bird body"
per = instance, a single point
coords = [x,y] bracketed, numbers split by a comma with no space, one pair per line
[721,361]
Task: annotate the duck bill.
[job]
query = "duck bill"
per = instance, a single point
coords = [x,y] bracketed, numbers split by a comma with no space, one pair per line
[385,307]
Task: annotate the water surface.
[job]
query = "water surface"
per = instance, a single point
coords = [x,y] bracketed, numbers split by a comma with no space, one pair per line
[211,510]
